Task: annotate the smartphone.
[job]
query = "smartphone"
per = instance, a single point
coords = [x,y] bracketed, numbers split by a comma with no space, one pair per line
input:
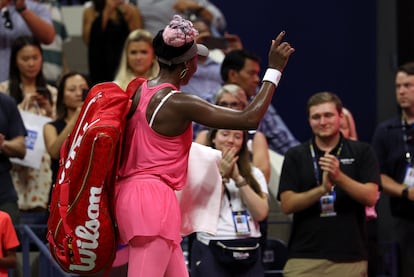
[42,90]
[215,42]
[45,92]
[85,92]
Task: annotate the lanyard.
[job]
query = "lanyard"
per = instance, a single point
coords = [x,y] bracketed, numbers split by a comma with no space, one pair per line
[315,162]
[228,197]
[408,157]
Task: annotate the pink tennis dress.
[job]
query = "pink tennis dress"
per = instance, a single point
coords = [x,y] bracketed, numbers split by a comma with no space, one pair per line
[152,167]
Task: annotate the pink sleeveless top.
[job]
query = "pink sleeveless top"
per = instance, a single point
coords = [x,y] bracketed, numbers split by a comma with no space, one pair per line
[146,152]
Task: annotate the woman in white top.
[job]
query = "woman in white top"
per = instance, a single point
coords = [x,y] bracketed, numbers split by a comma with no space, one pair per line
[244,203]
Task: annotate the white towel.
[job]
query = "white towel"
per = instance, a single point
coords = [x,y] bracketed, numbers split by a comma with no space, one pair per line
[276,162]
[200,199]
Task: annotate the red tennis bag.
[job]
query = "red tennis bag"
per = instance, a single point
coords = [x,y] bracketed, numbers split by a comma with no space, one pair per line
[81,227]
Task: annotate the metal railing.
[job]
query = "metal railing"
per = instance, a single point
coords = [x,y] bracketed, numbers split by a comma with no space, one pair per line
[50,265]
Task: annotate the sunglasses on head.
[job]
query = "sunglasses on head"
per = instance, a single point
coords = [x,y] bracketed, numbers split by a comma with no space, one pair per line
[8,24]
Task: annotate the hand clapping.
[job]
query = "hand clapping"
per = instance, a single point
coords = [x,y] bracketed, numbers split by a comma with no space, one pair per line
[330,164]
[227,162]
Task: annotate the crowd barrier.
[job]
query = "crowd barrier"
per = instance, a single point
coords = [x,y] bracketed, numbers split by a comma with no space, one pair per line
[47,265]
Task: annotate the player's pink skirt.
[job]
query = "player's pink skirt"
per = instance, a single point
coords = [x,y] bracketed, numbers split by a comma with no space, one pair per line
[146,206]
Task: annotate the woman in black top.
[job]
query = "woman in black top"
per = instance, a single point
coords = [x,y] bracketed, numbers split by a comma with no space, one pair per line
[70,98]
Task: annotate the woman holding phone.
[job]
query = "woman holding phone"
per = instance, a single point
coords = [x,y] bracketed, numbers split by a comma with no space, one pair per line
[71,93]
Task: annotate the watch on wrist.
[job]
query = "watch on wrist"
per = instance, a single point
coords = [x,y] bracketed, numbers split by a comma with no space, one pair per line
[241,183]
[404,193]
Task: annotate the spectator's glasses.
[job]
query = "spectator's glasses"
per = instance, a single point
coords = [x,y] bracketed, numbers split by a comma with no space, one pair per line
[232,105]
[8,24]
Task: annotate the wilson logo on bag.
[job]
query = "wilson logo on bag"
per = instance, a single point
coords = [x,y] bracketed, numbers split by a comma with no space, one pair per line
[81,227]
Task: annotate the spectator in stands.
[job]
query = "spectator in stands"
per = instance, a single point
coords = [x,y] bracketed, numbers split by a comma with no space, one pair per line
[22,17]
[12,133]
[8,244]
[28,87]
[138,58]
[326,184]
[234,97]
[71,92]
[106,26]
[244,203]
[54,61]
[393,142]
[242,68]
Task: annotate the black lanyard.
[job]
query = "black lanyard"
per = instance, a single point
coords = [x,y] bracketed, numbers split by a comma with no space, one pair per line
[228,197]
[315,162]
[408,157]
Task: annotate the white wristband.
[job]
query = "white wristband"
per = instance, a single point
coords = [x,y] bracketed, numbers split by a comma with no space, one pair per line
[272,75]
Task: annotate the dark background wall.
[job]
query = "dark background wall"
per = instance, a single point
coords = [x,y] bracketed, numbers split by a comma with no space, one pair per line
[405,30]
[336,50]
